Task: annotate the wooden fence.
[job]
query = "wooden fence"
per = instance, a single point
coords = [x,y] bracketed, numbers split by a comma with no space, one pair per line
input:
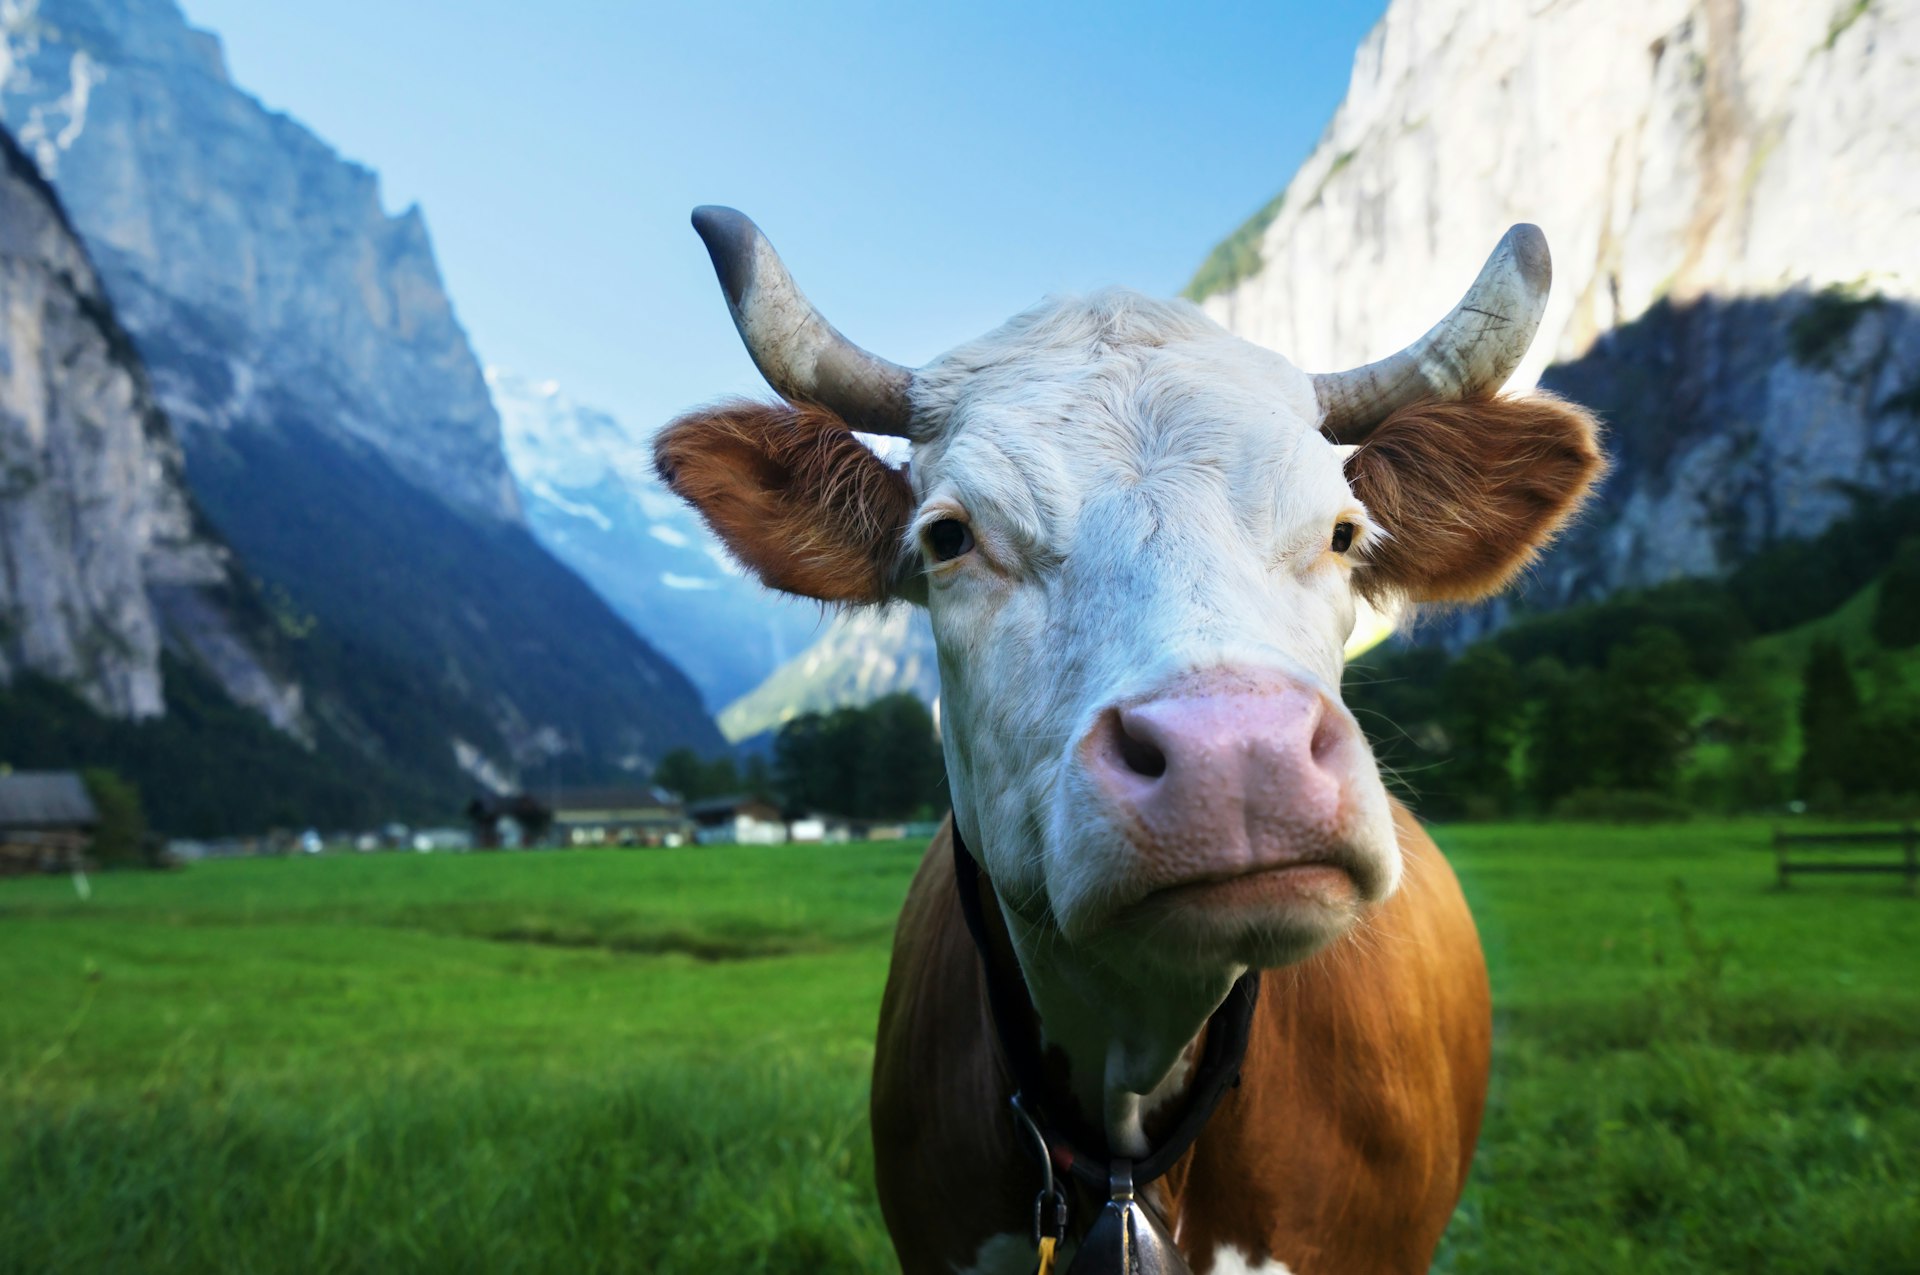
[1798,853]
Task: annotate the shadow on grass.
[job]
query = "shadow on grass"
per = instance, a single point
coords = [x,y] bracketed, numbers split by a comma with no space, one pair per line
[712,939]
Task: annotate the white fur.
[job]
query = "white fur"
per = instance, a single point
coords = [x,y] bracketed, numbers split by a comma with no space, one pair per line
[1002,1255]
[1150,496]
[1228,1260]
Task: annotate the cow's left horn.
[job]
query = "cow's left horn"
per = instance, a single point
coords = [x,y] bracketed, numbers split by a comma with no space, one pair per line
[1471,351]
[796,349]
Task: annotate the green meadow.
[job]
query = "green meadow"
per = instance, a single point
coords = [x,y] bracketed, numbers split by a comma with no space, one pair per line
[656,1061]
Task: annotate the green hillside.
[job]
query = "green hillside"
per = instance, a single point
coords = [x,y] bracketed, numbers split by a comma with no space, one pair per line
[1792,684]
[1236,257]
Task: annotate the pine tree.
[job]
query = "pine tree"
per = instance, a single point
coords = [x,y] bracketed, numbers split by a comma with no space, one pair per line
[1566,732]
[1829,724]
[1481,714]
[1896,616]
[1650,694]
[120,835]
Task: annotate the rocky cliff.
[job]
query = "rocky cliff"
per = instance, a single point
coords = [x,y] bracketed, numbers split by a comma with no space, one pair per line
[250,260]
[336,426]
[104,561]
[1732,193]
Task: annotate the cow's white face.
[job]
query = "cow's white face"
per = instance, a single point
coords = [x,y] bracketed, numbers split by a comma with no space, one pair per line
[1142,557]
[1138,553]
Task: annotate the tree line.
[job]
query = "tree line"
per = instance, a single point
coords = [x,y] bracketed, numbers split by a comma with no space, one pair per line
[1661,701]
[877,761]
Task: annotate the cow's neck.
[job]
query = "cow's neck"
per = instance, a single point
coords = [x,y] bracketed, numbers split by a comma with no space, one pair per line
[1129,1040]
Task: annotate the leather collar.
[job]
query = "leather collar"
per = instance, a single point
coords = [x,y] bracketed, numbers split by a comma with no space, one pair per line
[1013,1022]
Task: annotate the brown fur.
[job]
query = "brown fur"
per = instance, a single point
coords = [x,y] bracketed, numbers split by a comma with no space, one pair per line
[796,497]
[1342,1152]
[1469,492]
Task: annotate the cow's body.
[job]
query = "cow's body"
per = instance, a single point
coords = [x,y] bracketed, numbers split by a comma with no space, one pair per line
[1343,1150]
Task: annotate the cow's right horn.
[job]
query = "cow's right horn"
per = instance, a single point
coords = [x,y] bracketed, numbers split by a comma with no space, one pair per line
[1471,351]
[796,349]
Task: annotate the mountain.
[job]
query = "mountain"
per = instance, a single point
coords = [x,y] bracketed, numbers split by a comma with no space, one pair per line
[108,564]
[337,429]
[250,261]
[130,636]
[862,656]
[1732,192]
[590,495]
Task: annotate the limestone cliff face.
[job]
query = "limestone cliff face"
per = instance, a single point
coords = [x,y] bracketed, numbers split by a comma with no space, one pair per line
[254,266]
[1732,195]
[103,559]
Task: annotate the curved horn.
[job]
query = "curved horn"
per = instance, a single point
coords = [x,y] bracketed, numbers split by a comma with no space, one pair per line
[795,348]
[1474,349]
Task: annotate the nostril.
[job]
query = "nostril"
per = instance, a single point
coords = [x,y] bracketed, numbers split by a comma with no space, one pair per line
[1141,755]
[1328,731]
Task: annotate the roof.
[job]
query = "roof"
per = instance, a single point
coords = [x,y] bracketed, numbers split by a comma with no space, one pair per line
[45,799]
[725,807]
[648,798]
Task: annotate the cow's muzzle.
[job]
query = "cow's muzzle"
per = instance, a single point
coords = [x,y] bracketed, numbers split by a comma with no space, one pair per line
[1240,795]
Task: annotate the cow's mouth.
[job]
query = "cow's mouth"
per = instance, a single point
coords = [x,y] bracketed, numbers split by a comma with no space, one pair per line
[1263,915]
[1322,882]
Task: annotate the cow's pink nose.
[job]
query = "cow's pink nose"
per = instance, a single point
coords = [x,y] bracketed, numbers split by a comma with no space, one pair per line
[1225,772]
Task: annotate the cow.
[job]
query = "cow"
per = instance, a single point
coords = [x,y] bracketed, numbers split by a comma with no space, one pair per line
[1143,544]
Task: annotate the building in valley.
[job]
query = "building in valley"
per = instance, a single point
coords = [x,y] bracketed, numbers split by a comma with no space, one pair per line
[47,821]
[639,816]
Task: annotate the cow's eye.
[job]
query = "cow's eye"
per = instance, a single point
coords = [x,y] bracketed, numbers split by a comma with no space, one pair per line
[1342,536]
[949,538]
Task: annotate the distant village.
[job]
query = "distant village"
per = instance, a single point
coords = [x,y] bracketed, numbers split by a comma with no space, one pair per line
[866,773]
[50,821]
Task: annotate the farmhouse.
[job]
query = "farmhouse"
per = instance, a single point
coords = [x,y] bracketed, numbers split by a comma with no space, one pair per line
[46,821]
[737,820]
[644,816]
[816,828]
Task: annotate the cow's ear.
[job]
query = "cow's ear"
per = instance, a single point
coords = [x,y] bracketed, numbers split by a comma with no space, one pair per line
[1470,491]
[796,497]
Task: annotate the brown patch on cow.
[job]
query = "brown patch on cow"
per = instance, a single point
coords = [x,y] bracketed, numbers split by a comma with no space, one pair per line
[1347,1144]
[1470,492]
[1344,1148]
[796,497]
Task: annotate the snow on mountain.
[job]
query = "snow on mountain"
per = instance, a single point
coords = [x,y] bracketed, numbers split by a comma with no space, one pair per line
[590,496]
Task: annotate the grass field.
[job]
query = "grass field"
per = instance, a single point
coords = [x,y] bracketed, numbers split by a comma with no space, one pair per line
[656,1061]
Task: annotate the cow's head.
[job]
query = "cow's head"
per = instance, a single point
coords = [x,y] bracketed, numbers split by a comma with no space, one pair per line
[1142,541]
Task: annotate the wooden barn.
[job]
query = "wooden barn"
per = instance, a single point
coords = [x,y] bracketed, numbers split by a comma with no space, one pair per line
[46,821]
[640,816]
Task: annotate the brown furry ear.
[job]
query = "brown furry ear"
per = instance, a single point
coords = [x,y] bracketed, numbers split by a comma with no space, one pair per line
[1470,491]
[794,495]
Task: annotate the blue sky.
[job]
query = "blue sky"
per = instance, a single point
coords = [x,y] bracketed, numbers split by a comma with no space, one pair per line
[926,170]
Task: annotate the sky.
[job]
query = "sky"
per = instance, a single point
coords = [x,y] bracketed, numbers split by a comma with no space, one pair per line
[925,170]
